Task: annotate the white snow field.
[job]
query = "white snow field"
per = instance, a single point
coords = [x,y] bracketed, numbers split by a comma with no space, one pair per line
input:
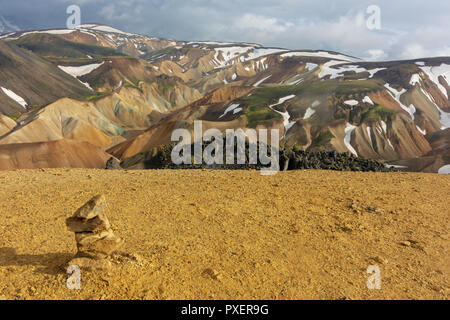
[348,137]
[15,97]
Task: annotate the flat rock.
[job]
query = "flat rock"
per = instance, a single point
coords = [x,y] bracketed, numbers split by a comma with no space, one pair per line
[90,264]
[85,238]
[95,224]
[92,208]
[101,248]
[212,273]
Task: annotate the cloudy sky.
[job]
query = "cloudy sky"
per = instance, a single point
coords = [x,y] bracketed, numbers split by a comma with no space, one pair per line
[406,28]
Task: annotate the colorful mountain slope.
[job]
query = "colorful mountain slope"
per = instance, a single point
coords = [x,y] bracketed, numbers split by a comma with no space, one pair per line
[135,90]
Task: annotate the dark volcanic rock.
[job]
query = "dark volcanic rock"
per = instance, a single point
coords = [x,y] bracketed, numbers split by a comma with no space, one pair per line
[290,159]
[328,160]
[113,164]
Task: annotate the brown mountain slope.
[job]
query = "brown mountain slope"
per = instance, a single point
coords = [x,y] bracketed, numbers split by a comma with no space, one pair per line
[52,154]
[103,120]
[35,80]
[6,124]
[65,118]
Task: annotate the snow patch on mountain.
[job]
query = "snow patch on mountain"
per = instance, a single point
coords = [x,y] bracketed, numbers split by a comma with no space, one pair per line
[411,110]
[195,44]
[327,69]
[15,97]
[119,85]
[319,54]
[415,79]
[348,137]
[295,82]
[311,66]
[444,117]
[57,31]
[286,116]
[351,68]
[369,133]
[390,144]
[423,132]
[80,70]
[261,52]
[52,31]
[351,102]
[438,71]
[309,113]
[261,81]
[283,100]
[367,100]
[384,127]
[230,108]
[224,55]
[103,28]
[90,29]
[372,72]
[340,71]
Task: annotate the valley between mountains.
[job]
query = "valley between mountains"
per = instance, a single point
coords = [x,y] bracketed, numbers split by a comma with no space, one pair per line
[75,98]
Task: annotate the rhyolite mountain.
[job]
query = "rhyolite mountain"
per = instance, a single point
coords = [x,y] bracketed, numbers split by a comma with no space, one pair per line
[74,98]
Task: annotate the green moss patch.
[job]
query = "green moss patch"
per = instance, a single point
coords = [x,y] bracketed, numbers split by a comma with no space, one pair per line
[376,113]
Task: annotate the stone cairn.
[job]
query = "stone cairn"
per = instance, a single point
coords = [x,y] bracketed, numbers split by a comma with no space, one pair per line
[95,239]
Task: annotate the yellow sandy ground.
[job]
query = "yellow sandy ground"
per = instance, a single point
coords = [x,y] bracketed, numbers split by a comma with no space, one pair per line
[231,234]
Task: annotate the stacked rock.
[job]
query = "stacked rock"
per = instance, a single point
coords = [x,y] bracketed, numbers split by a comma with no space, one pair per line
[95,239]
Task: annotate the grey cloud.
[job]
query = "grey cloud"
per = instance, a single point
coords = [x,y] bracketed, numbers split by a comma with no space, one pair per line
[409,28]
